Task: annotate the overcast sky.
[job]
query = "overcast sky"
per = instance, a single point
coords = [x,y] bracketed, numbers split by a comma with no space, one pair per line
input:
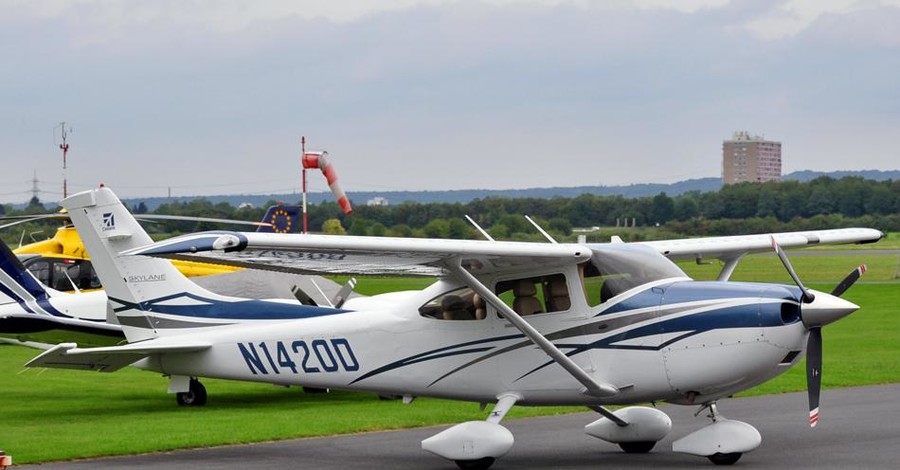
[211,97]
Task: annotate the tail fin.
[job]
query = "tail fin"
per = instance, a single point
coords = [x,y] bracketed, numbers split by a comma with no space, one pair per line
[18,285]
[280,219]
[27,307]
[136,285]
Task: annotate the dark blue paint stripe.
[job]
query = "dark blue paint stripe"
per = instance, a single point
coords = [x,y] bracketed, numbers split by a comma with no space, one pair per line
[251,309]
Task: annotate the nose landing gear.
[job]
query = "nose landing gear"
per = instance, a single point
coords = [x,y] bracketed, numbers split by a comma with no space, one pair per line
[723,442]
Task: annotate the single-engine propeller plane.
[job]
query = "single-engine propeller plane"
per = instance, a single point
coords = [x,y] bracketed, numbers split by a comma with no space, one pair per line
[505,323]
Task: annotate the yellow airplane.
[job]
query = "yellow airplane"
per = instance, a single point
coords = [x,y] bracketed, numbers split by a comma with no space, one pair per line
[62,263]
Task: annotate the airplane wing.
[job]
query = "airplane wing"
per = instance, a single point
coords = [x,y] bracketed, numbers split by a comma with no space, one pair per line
[360,255]
[331,254]
[736,246]
[108,359]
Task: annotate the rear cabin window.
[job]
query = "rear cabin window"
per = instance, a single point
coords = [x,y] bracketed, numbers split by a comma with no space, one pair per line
[459,304]
[535,295]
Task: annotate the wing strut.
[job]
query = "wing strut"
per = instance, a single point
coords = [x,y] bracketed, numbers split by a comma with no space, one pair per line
[731,263]
[592,387]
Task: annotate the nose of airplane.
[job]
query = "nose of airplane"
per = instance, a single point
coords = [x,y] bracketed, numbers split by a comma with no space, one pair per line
[825,309]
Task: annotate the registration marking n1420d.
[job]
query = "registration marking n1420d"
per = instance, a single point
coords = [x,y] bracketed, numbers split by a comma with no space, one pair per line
[299,356]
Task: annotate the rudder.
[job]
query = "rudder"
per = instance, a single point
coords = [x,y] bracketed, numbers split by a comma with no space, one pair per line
[131,282]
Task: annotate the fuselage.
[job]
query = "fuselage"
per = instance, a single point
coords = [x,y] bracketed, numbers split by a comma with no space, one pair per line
[673,340]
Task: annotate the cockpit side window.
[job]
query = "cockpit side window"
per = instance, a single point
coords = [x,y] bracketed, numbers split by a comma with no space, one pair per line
[458,304]
[533,295]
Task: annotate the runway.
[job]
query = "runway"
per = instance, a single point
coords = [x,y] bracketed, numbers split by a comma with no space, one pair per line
[858,428]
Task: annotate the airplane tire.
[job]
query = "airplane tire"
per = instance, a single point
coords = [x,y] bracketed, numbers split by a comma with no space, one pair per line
[196,396]
[477,464]
[724,459]
[640,447]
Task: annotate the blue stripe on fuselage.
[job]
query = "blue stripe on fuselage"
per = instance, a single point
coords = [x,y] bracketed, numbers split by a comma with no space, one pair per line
[752,315]
[251,309]
[692,291]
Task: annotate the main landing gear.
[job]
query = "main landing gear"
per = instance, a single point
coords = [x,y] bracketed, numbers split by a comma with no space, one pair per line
[195,396]
[723,442]
[636,429]
[475,445]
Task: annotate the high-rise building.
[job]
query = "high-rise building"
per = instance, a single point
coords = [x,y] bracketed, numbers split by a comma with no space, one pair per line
[750,158]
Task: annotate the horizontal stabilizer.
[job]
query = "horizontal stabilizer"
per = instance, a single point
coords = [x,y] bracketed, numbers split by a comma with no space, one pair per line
[109,359]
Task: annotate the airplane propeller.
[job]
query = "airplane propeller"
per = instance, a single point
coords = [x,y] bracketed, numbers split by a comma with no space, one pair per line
[814,350]
[817,312]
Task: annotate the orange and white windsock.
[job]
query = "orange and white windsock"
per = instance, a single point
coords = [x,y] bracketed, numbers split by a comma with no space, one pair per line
[320,160]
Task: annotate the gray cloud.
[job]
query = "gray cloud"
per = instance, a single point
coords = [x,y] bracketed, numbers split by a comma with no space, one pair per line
[445,96]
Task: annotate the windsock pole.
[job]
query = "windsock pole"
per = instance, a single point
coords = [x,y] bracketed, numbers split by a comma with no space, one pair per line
[302,153]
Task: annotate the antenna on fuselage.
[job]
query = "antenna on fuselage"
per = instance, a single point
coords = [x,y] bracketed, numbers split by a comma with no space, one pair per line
[543,232]
[483,232]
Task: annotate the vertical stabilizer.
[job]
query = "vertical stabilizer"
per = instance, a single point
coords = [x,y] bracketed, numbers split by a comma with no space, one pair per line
[18,284]
[280,219]
[134,284]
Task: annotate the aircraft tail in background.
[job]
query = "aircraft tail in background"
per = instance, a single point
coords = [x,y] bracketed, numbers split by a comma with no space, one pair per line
[17,284]
[280,219]
[27,306]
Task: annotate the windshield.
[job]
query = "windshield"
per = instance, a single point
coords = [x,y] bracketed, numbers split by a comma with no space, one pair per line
[622,267]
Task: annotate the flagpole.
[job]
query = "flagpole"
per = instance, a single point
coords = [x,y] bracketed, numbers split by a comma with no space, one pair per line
[302,156]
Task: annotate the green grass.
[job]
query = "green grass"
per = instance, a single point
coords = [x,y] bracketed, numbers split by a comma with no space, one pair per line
[823,268]
[371,285]
[91,414]
[58,414]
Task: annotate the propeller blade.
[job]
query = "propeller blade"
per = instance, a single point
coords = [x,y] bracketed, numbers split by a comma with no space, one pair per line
[848,281]
[814,373]
[807,295]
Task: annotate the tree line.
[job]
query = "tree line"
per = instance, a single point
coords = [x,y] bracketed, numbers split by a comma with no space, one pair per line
[741,208]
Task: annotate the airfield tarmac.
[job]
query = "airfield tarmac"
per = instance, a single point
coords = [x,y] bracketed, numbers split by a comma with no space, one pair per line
[859,428]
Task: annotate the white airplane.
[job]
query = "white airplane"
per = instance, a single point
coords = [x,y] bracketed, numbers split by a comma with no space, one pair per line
[28,307]
[506,323]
